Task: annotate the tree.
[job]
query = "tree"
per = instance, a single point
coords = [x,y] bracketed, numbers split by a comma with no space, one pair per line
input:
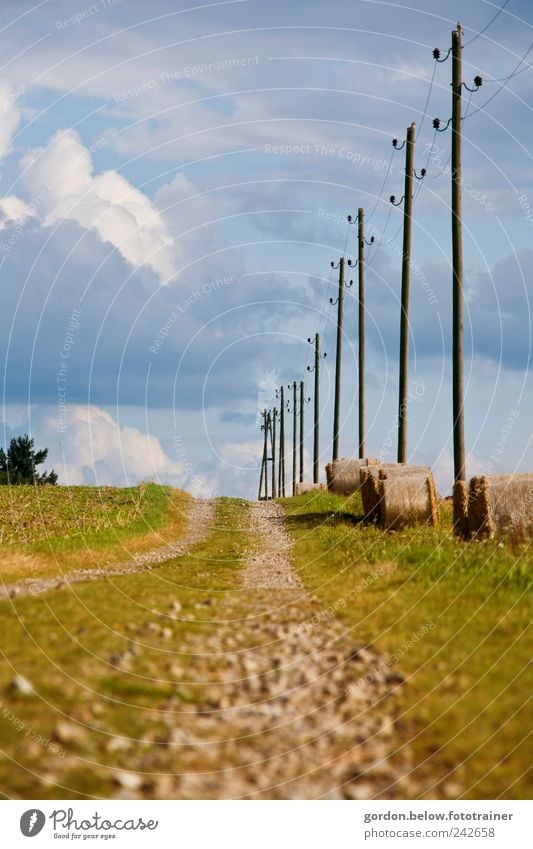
[19,464]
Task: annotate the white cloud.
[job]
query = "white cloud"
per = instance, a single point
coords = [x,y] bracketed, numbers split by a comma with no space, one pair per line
[13,208]
[95,449]
[10,114]
[61,177]
[242,455]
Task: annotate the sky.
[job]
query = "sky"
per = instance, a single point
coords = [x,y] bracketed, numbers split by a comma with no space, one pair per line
[175,181]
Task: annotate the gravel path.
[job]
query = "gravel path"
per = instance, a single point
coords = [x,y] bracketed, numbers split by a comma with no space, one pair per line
[283,703]
[271,697]
[199,520]
[269,565]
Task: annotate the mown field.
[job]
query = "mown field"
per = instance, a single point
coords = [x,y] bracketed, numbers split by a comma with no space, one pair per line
[45,529]
[456,617]
[105,662]
[105,659]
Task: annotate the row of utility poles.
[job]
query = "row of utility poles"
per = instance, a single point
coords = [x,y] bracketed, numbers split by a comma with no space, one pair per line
[268,427]
[457,308]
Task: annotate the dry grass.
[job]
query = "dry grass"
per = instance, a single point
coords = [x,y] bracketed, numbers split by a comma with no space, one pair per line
[66,528]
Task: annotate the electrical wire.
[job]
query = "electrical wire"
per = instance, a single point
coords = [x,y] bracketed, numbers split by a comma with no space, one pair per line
[381,239]
[427,101]
[326,301]
[513,75]
[387,173]
[371,213]
[504,82]
[485,28]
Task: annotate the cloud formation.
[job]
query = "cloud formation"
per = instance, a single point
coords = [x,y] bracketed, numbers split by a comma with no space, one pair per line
[61,176]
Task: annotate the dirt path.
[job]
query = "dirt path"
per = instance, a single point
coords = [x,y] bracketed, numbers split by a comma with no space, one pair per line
[269,696]
[199,520]
[286,704]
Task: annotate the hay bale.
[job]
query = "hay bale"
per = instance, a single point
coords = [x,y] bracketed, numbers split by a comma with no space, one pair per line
[302,488]
[501,505]
[460,508]
[388,470]
[343,476]
[408,498]
[370,477]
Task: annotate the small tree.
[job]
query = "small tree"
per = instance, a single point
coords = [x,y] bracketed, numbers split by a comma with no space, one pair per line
[19,465]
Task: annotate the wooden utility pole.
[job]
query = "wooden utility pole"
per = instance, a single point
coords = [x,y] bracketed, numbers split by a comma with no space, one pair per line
[361,299]
[263,476]
[338,359]
[294,436]
[403,397]
[273,447]
[459,459]
[457,258]
[281,471]
[316,425]
[301,431]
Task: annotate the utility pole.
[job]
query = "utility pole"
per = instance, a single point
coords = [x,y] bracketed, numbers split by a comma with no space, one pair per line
[361,299]
[262,476]
[301,431]
[316,426]
[403,395]
[459,460]
[361,322]
[457,258]
[294,436]
[273,447]
[281,471]
[338,358]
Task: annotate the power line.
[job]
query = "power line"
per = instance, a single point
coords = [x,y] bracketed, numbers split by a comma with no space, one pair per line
[326,300]
[424,114]
[427,101]
[382,187]
[504,82]
[381,238]
[485,28]
[507,79]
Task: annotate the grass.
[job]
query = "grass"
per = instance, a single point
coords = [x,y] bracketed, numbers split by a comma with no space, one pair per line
[48,529]
[63,643]
[454,615]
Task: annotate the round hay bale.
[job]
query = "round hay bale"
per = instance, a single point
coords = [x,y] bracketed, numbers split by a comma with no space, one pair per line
[370,477]
[460,508]
[501,505]
[302,488]
[387,470]
[343,475]
[407,499]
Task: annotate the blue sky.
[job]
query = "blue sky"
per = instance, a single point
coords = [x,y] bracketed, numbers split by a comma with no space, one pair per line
[173,186]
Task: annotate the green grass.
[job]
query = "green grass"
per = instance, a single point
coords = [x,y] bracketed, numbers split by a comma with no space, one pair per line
[72,516]
[47,529]
[455,615]
[62,643]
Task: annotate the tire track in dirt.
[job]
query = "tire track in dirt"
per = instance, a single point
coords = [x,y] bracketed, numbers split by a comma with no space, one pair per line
[199,521]
[279,703]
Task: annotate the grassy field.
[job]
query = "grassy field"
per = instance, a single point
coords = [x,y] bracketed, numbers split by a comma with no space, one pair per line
[47,529]
[451,617]
[455,616]
[67,738]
